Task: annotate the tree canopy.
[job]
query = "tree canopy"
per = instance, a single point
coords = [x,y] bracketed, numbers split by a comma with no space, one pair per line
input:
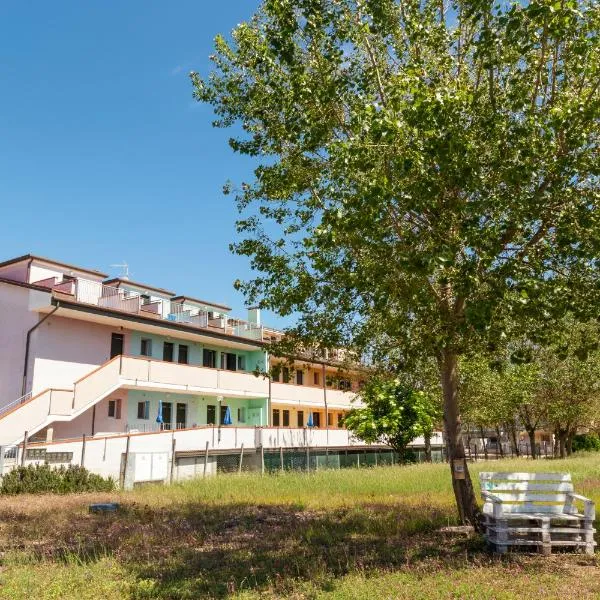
[427,171]
[393,414]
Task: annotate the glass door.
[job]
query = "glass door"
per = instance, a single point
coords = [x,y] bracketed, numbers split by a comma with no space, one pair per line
[181,415]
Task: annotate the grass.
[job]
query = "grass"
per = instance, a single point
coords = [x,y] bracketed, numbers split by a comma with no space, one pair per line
[336,535]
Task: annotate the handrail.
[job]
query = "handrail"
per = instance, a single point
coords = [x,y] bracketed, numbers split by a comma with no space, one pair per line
[22,400]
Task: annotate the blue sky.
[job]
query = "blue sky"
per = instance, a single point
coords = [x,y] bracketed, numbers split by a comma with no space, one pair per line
[104,155]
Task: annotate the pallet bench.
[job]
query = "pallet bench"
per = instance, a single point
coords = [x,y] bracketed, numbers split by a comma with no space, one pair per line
[535,510]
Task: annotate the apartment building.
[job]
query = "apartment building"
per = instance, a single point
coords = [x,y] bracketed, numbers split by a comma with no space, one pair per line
[83,354]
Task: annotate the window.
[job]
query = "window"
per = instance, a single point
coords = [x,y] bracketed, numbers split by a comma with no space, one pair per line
[286,374]
[209,358]
[114,409]
[223,412]
[345,384]
[181,415]
[241,415]
[182,357]
[145,299]
[146,347]
[275,417]
[228,361]
[316,378]
[241,363]
[211,414]
[116,344]
[329,419]
[316,419]
[168,351]
[167,414]
[300,377]
[286,418]
[300,418]
[340,419]
[143,411]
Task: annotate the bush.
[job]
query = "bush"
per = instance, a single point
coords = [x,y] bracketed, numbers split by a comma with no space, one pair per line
[42,479]
[586,441]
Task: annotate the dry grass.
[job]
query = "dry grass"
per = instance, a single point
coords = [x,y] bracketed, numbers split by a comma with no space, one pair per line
[339,534]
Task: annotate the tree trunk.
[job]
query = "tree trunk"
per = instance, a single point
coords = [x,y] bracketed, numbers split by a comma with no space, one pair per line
[499,438]
[427,437]
[466,502]
[570,437]
[483,444]
[513,436]
[562,440]
[531,434]
[555,446]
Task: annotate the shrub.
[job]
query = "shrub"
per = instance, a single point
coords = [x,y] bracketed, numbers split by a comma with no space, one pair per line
[586,441]
[41,479]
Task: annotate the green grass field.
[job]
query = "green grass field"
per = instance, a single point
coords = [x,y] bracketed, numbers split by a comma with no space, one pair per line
[351,534]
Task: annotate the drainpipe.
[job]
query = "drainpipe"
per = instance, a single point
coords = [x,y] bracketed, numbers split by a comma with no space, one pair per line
[27,344]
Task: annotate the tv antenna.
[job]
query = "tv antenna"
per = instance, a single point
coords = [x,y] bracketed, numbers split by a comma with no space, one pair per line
[125,267]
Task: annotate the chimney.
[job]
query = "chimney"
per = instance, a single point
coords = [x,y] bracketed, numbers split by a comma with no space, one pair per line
[254,315]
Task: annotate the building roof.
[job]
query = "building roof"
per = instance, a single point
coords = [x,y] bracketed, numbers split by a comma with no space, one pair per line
[198,301]
[143,286]
[25,257]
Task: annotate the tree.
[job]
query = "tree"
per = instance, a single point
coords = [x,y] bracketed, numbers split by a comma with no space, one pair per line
[570,388]
[426,172]
[393,414]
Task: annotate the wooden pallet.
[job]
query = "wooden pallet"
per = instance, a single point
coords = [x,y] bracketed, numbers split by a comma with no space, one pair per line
[535,510]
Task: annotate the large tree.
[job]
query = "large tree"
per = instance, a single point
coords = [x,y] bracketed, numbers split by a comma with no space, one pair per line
[426,171]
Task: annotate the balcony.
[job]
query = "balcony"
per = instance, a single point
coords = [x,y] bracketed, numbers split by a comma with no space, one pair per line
[97,294]
[289,393]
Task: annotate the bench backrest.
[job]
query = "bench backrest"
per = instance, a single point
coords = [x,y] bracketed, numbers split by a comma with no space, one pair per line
[528,492]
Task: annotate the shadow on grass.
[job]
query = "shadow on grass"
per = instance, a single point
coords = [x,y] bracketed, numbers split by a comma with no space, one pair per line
[198,550]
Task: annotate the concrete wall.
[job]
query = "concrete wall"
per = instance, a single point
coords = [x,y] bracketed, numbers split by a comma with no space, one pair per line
[82,425]
[15,321]
[64,350]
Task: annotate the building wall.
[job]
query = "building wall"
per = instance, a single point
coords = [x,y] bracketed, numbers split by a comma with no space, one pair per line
[15,320]
[16,272]
[64,350]
[253,359]
[255,409]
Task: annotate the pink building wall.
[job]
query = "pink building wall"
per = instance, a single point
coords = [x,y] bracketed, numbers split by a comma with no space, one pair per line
[64,350]
[15,320]
[102,422]
[16,272]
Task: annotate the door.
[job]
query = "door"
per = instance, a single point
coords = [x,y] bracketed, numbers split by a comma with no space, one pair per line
[167,413]
[181,415]
[116,344]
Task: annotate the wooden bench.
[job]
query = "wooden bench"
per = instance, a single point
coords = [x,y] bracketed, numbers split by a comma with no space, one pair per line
[536,510]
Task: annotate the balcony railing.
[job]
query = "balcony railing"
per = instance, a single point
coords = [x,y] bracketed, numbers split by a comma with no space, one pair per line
[106,296]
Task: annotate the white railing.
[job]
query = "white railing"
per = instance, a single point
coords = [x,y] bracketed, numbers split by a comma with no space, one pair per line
[184,313]
[248,330]
[15,403]
[106,296]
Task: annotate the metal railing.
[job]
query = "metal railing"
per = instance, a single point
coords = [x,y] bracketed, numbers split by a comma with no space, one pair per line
[8,407]
[184,313]
[106,296]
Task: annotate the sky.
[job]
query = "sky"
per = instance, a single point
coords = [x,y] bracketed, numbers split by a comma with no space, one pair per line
[104,155]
